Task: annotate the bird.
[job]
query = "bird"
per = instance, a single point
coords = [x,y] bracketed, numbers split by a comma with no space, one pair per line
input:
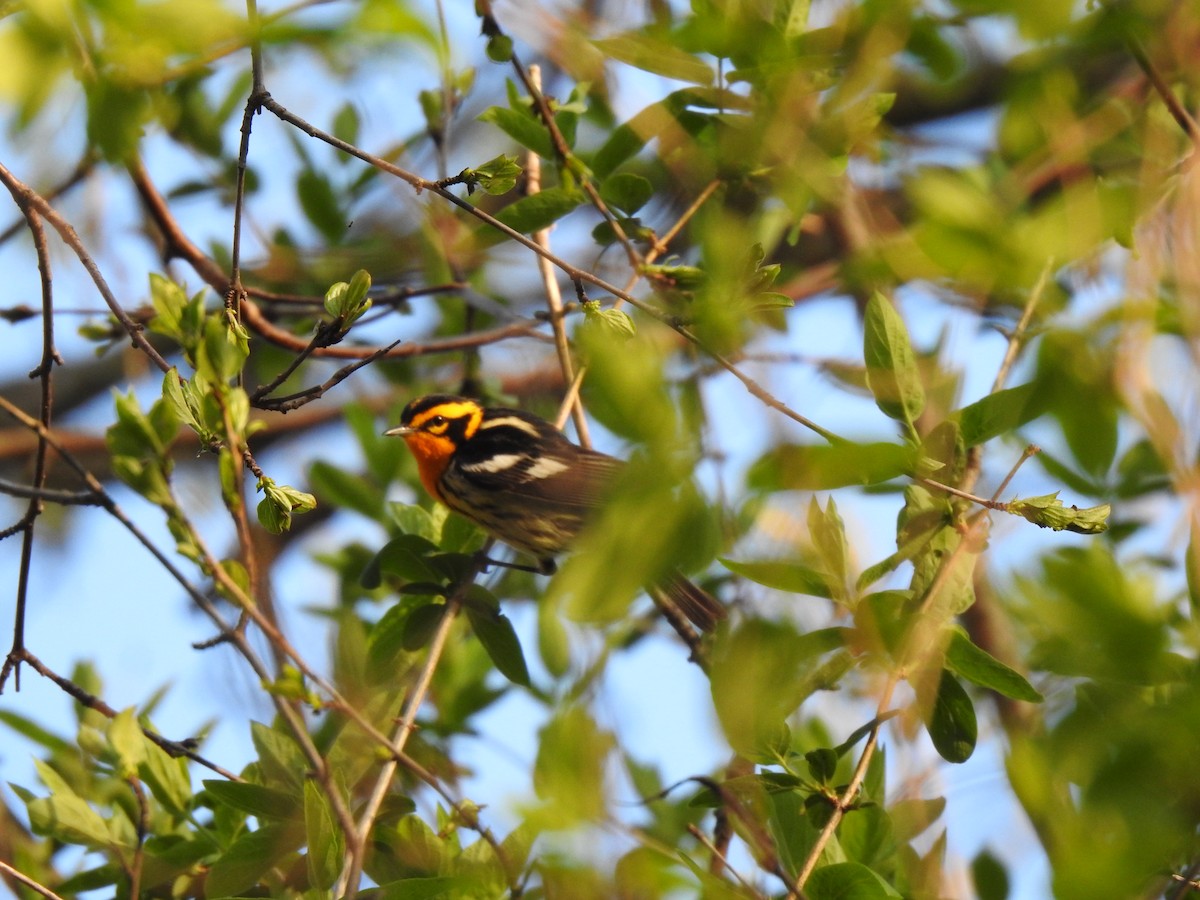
[522,481]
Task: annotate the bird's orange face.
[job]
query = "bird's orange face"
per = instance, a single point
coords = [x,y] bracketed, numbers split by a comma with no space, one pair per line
[434,427]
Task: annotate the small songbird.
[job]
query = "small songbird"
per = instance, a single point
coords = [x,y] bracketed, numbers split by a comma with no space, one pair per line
[522,481]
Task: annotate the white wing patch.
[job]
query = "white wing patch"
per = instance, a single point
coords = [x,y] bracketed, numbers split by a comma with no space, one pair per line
[545,467]
[497,463]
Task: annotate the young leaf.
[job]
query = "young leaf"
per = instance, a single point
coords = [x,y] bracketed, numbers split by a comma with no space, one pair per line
[1048,511]
[892,372]
[496,176]
[607,323]
[829,536]
[125,736]
[279,502]
[347,301]
[167,778]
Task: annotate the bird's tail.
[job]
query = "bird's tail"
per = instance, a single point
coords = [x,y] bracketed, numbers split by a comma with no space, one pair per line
[701,607]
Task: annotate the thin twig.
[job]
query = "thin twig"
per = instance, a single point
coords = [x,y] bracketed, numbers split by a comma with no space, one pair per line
[1177,110]
[143,827]
[49,495]
[178,245]
[720,857]
[24,194]
[295,401]
[257,89]
[1017,338]
[28,882]
[43,372]
[357,847]
[572,271]
[174,748]
[554,303]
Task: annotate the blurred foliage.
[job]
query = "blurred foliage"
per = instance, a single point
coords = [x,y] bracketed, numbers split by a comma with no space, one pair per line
[997,190]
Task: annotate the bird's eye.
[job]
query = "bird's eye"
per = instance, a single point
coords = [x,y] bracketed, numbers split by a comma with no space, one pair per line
[437,422]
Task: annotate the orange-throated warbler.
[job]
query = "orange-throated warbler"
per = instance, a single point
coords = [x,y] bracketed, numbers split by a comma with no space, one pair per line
[522,481]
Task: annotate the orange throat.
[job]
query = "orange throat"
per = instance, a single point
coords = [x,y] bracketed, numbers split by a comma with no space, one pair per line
[432,454]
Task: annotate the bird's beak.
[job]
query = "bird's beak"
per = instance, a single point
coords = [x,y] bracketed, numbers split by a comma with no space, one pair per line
[399,431]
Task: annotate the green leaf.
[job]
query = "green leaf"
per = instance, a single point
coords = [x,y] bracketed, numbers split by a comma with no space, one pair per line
[346,123]
[624,142]
[912,817]
[344,489]
[499,48]
[167,778]
[280,760]
[181,396]
[569,771]
[278,504]
[990,877]
[250,857]
[319,201]
[523,126]
[828,534]
[125,735]
[436,887]
[847,881]
[660,56]
[222,353]
[951,721]
[498,175]
[421,624]
[782,576]
[496,634]
[892,372]
[1048,511]
[386,639]
[820,467]
[540,210]
[626,191]
[326,844]
[762,671]
[606,324]
[822,764]
[253,799]
[554,643]
[405,557]
[35,732]
[998,413]
[347,301]
[174,315]
[65,815]
[417,520]
[980,667]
